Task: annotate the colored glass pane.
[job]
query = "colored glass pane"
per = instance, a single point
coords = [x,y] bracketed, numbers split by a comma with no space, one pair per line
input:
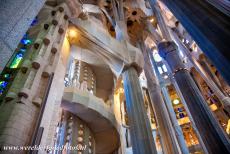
[34,22]
[18,57]
[6,76]
[26,41]
[181,115]
[179,109]
[3,84]
[16,61]
[23,49]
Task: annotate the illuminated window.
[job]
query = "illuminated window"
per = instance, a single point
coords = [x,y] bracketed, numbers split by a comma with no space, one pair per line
[34,22]
[160,70]
[7,76]
[25,40]
[157,57]
[181,53]
[164,68]
[15,60]
[181,115]
[166,77]
[180,109]
[187,41]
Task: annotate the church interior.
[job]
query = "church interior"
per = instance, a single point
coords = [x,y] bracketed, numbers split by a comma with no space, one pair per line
[115,77]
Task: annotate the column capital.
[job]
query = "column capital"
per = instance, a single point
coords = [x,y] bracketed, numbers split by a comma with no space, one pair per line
[166,47]
[169,51]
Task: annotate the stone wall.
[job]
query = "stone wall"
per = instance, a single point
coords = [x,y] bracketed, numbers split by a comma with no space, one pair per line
[15,19]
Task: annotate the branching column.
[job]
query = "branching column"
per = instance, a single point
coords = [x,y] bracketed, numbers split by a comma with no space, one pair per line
[168,103]
[210,131]
[168,136]
[140,130]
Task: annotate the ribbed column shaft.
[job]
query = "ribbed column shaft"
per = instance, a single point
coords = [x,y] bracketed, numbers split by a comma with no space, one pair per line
[168,103]
[209,129]
[141,134]
[168,136]
[203,71]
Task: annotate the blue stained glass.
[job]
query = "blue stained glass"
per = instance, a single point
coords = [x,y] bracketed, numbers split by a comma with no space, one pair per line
[1,91]
[34,22]
[25,36]
[3,84]
[23,49]
[26,41]
[179,109]
[181,115]
[18,57]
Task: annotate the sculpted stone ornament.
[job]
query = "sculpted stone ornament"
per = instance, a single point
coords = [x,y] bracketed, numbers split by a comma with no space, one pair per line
[83,16]
[169,47]
[117,54]
[84,86]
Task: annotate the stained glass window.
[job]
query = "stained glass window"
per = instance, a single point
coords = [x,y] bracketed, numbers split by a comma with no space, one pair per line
[7,76]
[25,40]
[3,85]
[16,60]
[34,22]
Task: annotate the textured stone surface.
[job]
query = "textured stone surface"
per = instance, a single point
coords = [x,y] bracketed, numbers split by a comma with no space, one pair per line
[15,19]
[141,134]
[5,53]
[96,114]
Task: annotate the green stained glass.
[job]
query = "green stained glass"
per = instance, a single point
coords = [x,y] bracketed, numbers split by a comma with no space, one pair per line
[16,61]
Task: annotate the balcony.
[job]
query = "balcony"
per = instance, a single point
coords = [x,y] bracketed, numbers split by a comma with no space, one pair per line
[96,114]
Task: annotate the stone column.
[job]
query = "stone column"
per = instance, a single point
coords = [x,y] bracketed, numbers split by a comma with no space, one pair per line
[209,129]
[168,136]
[206,76]
[160,20]
[141,134]
[168,103]
[208,27]
[15,19]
